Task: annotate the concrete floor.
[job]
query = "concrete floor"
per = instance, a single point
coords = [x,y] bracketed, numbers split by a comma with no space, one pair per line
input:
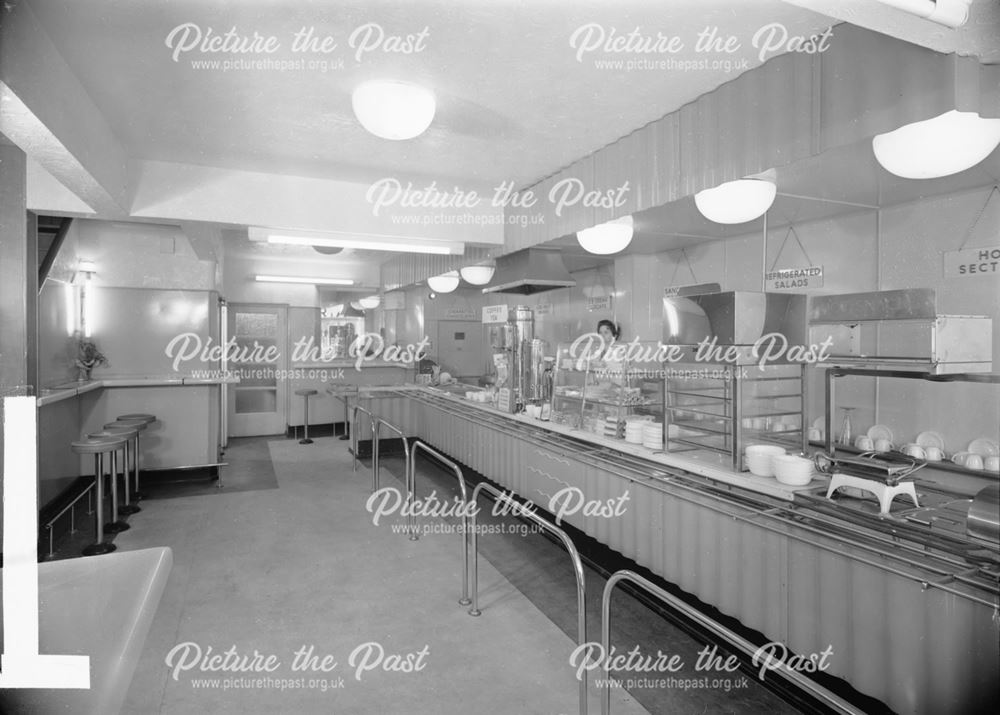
[278,570]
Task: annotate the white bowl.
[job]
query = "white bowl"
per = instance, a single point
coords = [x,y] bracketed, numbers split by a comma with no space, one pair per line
[758,458]
[792,470]
[761,449]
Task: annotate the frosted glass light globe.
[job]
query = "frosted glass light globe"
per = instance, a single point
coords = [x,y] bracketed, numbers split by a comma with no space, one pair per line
[606,238]
[736,201]
[941,146]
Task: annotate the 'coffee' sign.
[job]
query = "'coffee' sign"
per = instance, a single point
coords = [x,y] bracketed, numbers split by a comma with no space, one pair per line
[972,262]
[794,278]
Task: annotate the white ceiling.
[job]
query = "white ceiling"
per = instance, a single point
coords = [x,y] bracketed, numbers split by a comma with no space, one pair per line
[514,102]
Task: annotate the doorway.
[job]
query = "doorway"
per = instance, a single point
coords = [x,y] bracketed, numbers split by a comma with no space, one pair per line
[460,348]
[258,404]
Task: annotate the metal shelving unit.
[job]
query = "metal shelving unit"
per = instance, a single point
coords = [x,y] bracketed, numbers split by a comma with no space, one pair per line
[722,413]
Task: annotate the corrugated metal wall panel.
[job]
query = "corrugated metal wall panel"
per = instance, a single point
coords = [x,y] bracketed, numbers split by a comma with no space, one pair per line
[788,108]
[919,651]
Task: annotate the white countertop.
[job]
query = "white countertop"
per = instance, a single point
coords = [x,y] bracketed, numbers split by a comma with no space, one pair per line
[69,390]
[708,464]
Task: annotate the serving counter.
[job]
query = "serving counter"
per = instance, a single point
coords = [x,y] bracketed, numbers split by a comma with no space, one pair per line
[910,616]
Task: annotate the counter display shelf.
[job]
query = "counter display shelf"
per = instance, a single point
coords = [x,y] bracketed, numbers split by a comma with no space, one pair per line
[793,568]
[598,396]
[723,408]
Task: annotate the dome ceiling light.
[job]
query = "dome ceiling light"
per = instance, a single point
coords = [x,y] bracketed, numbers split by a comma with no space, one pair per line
[606,238]
[736,201]
[370,303]
[945,145]
[444,283]
[328,250]
[393,110]
[477,275]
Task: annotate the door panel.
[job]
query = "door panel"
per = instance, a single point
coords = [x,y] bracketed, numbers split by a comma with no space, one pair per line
[257,404]
[460,348]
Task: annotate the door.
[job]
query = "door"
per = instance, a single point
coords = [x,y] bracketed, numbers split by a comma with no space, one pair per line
[460,348]
[257,405]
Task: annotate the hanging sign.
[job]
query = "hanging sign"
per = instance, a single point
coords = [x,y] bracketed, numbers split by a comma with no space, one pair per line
[495,313]
[692,289]
[794,278]
[599,303]
[972,262]
[543,309]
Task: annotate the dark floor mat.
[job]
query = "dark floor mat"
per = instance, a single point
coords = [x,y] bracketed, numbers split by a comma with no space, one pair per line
[248,468]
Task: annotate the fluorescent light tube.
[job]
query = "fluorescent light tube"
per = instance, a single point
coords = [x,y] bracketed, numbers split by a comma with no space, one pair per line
[300,279]
[400,246]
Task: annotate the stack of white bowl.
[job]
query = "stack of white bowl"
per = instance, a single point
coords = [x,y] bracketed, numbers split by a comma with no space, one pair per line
[759,456]
[792,470]
[633,432]
[652,435]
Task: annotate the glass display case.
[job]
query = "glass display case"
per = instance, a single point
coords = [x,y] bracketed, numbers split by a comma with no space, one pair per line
[603,395]
[722,408]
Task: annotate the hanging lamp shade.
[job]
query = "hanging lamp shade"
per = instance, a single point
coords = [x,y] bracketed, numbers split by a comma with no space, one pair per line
[477,275]
[393,110]
[736,201]
[444,283]
[606,238]
[941,146]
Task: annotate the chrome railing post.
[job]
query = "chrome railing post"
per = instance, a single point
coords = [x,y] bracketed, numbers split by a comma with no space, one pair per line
[581,581]
[418,446]
[354,432]
[831,700]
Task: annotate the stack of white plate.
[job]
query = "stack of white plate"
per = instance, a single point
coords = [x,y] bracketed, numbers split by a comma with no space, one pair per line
[758,458]
[633,432]
[652,435]
[792,470]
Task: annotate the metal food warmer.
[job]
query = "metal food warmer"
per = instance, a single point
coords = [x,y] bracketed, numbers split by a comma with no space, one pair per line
[718,397]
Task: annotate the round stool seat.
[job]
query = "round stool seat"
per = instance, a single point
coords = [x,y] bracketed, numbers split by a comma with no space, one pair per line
[306,392]
[119,428]
[99,445]
[138,416]
[139,425]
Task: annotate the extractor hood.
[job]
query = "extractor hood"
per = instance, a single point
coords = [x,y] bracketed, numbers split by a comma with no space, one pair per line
[529,271]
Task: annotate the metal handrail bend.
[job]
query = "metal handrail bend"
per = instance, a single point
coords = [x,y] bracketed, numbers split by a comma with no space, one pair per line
[411,484]
[376,465]
[72,515]
[354,432]
[581,582]
[832,700]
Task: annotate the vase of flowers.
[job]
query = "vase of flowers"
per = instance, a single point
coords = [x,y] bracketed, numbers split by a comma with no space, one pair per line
[88,356]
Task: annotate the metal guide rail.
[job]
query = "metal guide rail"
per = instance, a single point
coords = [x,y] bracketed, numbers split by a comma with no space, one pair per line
[354,433]
[378,424]
[831,700]
[933,560]
[581,582]
[411,484]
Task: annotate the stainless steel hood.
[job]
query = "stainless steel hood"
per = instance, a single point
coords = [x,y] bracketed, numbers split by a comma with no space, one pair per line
[531,270]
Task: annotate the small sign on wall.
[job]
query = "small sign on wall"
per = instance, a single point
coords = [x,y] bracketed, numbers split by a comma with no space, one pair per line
[600,303]
[461,312]
[543,309]
[794,278]
[967,262]
[394,300]
[495,313]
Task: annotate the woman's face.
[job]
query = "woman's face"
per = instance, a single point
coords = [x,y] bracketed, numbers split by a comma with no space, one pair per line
[605,332]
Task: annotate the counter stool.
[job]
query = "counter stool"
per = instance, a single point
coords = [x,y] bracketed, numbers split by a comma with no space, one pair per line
[306,394]
[122,429]
[140,422]
[101,449]
[116,525]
